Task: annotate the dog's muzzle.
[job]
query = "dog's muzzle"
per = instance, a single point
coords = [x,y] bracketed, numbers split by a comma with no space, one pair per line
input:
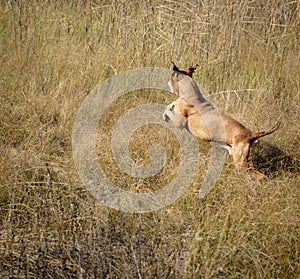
[170,87]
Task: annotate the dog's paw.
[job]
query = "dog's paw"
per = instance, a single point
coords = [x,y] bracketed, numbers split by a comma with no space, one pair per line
[171,106]
[166,117]
[228,148]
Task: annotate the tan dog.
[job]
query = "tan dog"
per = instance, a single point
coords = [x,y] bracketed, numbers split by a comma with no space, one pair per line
[197,115]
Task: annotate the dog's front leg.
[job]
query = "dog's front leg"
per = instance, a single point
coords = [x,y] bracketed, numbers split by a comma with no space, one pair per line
[171,114]
[168,113]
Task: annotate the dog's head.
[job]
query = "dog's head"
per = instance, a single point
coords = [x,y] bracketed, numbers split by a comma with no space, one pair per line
[178,75]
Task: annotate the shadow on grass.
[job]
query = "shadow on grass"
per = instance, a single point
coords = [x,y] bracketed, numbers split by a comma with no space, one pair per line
[270,160]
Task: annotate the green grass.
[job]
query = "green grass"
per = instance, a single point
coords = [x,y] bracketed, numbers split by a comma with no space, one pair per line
[54,54]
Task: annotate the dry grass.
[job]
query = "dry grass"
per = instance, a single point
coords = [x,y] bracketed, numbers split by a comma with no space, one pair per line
[52,56]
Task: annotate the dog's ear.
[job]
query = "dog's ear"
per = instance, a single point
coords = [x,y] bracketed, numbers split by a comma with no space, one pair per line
[190,70]
[174,67]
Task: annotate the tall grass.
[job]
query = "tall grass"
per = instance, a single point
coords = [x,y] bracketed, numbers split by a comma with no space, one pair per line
[54,53]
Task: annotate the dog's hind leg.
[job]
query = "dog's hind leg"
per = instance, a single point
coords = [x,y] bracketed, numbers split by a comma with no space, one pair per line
[227,147]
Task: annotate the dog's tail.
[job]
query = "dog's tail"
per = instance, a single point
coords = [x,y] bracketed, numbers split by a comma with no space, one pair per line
[264,133]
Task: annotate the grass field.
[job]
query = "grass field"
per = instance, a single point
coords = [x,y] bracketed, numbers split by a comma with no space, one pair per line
[53,53]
